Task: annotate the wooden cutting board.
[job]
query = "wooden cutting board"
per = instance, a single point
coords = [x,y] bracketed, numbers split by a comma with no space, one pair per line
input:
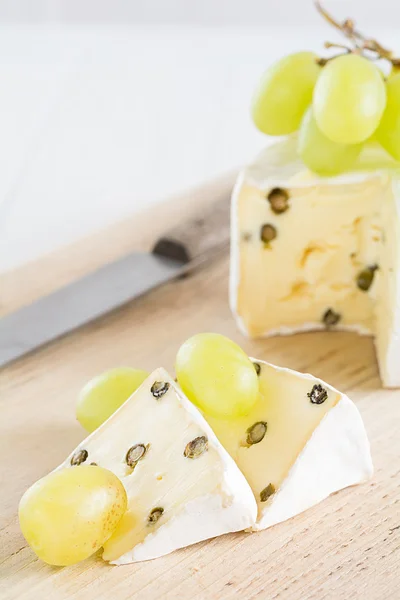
[346,547]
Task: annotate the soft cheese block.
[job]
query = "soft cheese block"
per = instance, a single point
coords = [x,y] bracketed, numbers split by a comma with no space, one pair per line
[301,442]
[318,253]
[182,485]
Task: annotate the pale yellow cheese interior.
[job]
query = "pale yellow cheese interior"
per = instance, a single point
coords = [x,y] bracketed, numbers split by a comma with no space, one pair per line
[291,419]
[328,235]
[164,477]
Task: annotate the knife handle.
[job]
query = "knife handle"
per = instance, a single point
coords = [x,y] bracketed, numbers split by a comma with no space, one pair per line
[205,232]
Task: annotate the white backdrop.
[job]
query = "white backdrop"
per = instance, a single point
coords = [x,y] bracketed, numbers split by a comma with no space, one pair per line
[198,12]
[98,119]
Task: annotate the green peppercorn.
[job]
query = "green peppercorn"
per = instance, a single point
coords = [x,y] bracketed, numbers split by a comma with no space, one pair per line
[268,233]
[267,492]
[366,277]
[331,318]
[279,200]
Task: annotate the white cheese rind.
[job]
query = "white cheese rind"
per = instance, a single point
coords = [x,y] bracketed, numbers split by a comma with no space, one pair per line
[202,497]
[199,520]
[387,339]
[380,306]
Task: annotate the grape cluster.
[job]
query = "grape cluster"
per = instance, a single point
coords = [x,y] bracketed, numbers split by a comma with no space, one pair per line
[337,106]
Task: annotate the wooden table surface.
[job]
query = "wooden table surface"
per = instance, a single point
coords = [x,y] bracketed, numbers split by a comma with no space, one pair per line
[346,547]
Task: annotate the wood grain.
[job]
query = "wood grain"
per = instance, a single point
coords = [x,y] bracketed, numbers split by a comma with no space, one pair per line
[346,547]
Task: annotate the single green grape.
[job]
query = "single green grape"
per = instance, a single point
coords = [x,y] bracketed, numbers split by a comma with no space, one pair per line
[388,132]
[216,375]
[69,514]
[101,396]
[349,99]
[284,93]
[319,153]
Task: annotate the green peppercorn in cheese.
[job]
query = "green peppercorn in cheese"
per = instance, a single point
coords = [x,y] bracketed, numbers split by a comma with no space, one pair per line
[182,486]
[319,253]
[301,442]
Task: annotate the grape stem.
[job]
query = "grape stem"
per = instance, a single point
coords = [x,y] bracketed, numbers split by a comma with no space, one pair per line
[360,44]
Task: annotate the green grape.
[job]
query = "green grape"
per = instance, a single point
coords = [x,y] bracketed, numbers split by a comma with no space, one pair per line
[349,99]
[285,93]
[388,132]
[319,153]
[69,514]
[217,375]
[101,396]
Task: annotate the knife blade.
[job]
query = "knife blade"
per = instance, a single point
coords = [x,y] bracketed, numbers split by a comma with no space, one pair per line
[179,250]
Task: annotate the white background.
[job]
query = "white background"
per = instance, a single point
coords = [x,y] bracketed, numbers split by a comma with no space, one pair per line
[108,105]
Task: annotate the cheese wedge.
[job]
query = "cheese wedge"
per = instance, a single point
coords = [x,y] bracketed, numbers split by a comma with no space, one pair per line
[182,486]
[301,442]
[318,253]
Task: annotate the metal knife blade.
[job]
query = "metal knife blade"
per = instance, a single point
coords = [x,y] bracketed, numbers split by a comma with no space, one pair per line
[82,301]
[177,251]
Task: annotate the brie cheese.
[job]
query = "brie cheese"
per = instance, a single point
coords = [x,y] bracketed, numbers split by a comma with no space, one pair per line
[182,486]
[315,253]
[301,442]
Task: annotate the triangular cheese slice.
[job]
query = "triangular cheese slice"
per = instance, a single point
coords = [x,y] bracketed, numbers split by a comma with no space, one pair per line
[182,486]
[318,253]
[301,442]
